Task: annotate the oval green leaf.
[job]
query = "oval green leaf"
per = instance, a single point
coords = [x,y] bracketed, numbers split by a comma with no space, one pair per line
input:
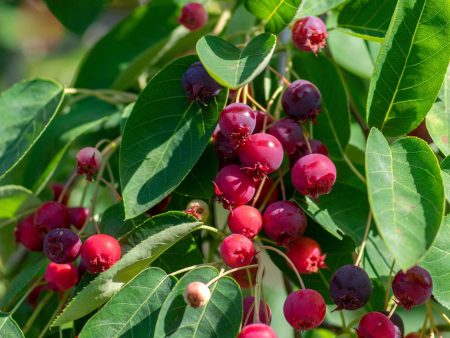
[317,7]
[9,327]
[445,166]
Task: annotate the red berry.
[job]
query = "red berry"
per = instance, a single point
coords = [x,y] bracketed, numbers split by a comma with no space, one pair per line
[78,216]
[34,295]
[309,34]
[284,221]
[265,315]
[88,162]
[246,278]
[237,121]
[375,325]
[304,309]
[260,118]
[199,85]
[302,101]
[100,252]
[233,187]
[29,235]
[237,250]
[61,277]
[289,133]
[193,16]
[197,294]
[398,324]
[306,255]
[413,287]
[316,146]
[160,207]
[62,246]
[257,331]
[245,220]
[413,335]
[261,154]
[422,132]
[57,189]
[313,175]
[227,152]
[51,215]
[266,188]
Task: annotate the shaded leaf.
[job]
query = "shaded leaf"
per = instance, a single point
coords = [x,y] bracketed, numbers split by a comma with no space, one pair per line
[445,166]
[8,327]
[317,7]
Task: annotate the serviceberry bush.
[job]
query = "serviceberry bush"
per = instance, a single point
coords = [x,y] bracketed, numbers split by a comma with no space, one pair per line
[251,169]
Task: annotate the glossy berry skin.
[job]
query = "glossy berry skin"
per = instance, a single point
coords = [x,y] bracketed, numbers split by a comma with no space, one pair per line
[199,85]
[309,34]
[100,252]
[193,16]
[304,309]
[227,152]
[257,331]
[245,220]
[413,287]
[246,278]
[306,255]
[196,294]
[233,187]
[261,154]
[289,133]
[317,147]
[78,216]
[375,325]
[28,234]
[237,121]
[88,162]
[237,250]
[284,221]
[350,287]
[265,315]
[61,277]
[57,190]
[313,175]
[260,117]
[51,215]
[62,246]
[302,101]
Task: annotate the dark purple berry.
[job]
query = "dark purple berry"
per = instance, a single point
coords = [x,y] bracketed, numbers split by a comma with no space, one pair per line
[265,315]
[398,324]
[237,121]
[289,133]
[304,309]
[375,325]
[51,215]
[413,287]
[260,118]
[62,246]
[315,147]
[199,85]
[309,34]
[227,152]
[302,101]
[193,16]
[88,162]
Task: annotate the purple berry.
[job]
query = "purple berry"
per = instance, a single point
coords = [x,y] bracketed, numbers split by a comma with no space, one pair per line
[316,146]
[265,315]
[413,287]
[78,216]
[237,121]
[227,152]
[398,324]
[62,246]
[260,118]
[309,34]
[289,133]
[304,309]
[199,85]
[193,16]
[375,325]
[51,215]
[302,101]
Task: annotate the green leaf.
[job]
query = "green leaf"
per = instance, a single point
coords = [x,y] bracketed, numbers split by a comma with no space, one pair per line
[445,166]
[317,7]
[368,19]
[406,195]
[162,236]
[134,310]
[276,15]
[234,67]
[26,109]
[377,259]
[164,137]
[9,327]
[411,66]
[437,260]
[16,201]
[220,317]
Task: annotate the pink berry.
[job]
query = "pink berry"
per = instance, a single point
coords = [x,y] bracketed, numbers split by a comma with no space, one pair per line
[257,331]
[284,221]
[193,16]
[413,287]
[289,133]
[29,235]
[197,294]
[237,250]
[304,309]
[268,187]
[237,121]
[261,154]
[246,278]
[309,34]
[100,252]
[57,190]
[51,215]
[265,315]
[313,175]
[78,216]
[260,118]
[62,246]
[306,255]
[88,162]
[245,220]
[61,277]
[315,147]
[227,152]
[199,85]
[233,187]
[375,325]
[302,101]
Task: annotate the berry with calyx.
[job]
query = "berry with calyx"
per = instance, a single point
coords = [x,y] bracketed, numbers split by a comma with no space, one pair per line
[199,209]
[269,186]
[57,190]
[413,287]
[51,215]
[28,234]
[289,133]
[261,154]
[304,309]
[88,162]
[100,252]
[227,152]
[350,287]
[309,34]
[196,294]
[284,221]
[375,325]
[237,121]
[233,187]
[265,315]
[62,245]
[257,331]
[302,101]
[160,207]
[245,220]
[78,216]
[60,277]
[199,85]
[193,16]
[315,147]
[237,250]
[246,278]
[260,118]
[313,175]
[306,255]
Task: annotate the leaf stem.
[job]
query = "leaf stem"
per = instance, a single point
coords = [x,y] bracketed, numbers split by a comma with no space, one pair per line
[364,241]
[258,192]
[21,300]
[282,78]
[36,312]
[388,284]
[352,168]
[69,182]
[257,288]
[223,274]
[57,310]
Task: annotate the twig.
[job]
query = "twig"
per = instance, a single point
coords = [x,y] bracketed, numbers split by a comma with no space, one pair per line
[364,241]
